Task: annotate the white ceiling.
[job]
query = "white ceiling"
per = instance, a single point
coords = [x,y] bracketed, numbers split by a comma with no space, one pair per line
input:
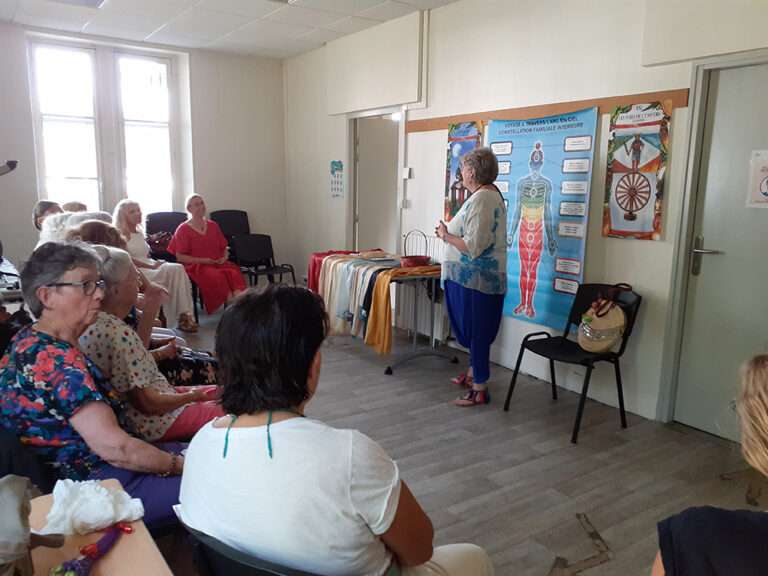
[275,28]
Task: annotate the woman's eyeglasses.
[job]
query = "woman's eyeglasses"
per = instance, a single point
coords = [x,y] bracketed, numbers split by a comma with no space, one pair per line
[88,286]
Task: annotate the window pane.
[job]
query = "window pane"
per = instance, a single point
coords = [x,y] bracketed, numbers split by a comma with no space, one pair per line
[85,190]
[70,148]
[64,81]
[144,89]
[148,167]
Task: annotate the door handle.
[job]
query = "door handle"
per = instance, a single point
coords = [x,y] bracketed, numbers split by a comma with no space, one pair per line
[697,252]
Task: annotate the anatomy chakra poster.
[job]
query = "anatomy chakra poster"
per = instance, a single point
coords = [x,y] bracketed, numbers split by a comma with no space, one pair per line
[545,170]
[462,138]
[637,163]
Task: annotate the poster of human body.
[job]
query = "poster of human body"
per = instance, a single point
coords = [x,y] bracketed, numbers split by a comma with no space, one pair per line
[545,170]
[462,138]
[634,181]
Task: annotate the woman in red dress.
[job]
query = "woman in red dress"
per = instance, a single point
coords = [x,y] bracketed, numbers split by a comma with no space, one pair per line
[199,244]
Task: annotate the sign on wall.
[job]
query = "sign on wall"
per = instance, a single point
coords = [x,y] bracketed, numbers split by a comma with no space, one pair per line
[758,180]
[636,165]
[545,170]
[462,138]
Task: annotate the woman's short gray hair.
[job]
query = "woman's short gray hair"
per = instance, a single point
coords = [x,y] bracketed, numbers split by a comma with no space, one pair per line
[48,263]
[115,264]
[483,164]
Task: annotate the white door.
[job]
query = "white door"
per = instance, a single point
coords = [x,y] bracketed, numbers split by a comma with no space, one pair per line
[376,184]
[726,317]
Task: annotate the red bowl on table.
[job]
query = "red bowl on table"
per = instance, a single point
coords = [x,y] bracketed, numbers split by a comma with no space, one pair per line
[413,261]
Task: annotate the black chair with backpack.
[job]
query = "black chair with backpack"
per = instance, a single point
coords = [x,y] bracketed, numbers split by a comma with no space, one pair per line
[160,227]
[215,558]
[256,258]
[604,316]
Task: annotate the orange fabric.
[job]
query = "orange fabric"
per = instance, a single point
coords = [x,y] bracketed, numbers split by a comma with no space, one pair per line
[379,331]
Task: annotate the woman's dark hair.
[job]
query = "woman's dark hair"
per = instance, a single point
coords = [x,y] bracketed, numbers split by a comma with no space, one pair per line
[265,343]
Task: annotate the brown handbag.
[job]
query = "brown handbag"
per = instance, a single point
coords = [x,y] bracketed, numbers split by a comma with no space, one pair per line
[603,325]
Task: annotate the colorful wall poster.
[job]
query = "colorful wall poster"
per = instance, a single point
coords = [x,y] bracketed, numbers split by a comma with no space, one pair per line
[637,163]
[545,183]
[337,179]
[462,138]
[758,180]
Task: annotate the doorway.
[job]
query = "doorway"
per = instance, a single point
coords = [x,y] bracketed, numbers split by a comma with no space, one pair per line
[376,216]
[724,318]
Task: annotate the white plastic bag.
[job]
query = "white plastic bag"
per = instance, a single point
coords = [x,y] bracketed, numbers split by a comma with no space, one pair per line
[83,507]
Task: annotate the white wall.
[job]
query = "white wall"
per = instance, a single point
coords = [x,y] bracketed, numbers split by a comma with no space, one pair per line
[493,54]
[676,30]
[315,221]
[375,68]
[237,140]
[18,190]
[543,52]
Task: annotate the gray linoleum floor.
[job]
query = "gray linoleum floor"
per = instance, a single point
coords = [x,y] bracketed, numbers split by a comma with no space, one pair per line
[512,482]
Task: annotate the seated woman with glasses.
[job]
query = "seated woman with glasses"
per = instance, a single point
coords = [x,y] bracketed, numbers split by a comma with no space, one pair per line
[292,490]
[56,401]
[156,410]
[181,366]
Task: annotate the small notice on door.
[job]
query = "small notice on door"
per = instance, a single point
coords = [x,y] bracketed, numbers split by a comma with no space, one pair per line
[758,180]
[337,179]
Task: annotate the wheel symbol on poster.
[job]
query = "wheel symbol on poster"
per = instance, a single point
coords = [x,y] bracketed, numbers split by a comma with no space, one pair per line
[632,194]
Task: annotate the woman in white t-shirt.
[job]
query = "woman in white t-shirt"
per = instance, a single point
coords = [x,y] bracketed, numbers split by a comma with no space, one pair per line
[292,490]
[170,275]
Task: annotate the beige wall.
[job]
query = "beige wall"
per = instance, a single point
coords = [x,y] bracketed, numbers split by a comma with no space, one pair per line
[677,30]
[237,140]
[314,221]
[486,55]
[375,68]
[18,190]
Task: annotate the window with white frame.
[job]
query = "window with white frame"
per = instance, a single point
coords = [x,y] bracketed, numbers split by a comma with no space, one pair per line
[104,126]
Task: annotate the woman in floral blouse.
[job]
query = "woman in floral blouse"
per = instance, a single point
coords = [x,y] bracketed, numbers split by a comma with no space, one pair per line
[155,409]
[58,403]
[474,270]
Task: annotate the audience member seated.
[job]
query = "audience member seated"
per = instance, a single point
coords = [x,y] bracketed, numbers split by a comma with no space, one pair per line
[55,227]
[156,410]
[180,365]
[57,402]
[42,210]
[74,207]
[171,275]
[709,541]
[199,244]
[292,490]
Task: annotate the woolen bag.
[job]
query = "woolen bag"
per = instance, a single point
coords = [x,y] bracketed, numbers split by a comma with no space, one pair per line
[603,324]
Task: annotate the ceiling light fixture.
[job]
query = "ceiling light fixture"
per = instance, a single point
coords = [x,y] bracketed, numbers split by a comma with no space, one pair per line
[84,3]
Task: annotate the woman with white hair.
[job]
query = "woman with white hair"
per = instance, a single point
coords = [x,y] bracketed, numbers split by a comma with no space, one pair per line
[155,410]
[54,227]
[170,275]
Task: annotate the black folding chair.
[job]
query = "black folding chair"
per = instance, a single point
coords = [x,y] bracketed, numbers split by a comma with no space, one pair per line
[215,558]
[168,222]
[232,223]
[561,349]
[256,258]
